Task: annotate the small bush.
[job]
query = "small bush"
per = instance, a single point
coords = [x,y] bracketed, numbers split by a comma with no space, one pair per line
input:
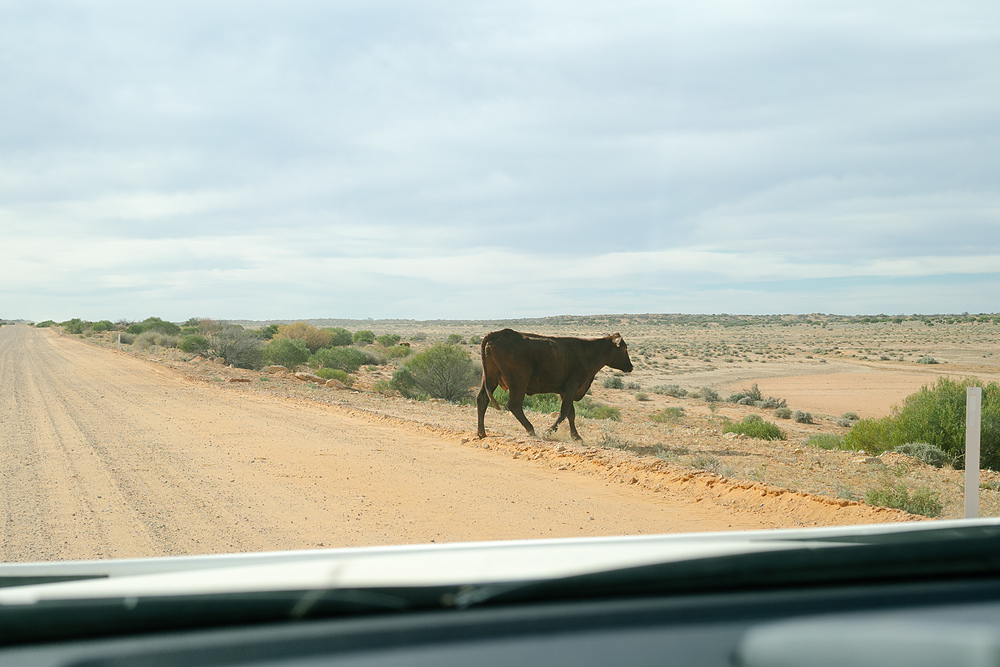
[239,348]
[443,371]
[671,415]
[850,416]
[613,442]
[340,337]
[148,339]
[706,462]
[801,417]
[313,337]
[927,360]
[397,352]
[388,340]
[826,441]
[783,413]
[127,338]
[673,390]
[103,325]
[336,374]
[194,343]
[755,428]
[364,337]
[752,396]
[455,339]
[641,396]
[923,501]
[709,395]
[927,453]
[347,359]
[287,352]
[613,382]
[591,409]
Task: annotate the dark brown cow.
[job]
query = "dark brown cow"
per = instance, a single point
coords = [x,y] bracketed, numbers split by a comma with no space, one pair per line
[525,363]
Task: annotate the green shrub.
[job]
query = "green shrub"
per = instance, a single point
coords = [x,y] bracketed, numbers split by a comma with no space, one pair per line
[641,396]
[45,324]
[340,337]
[927,360]
[336,374]
[850,416]
[239,348]
[287,352]
[373,356]
[935,415]
[755,428]
[591,409]
[783,413]
[127,338]
[74,326]
[156,324]
[671,415]
[347,359]
[103,325]
[148,339]
[388,340]
[443,371]
[364,337]
[925,452]
[709,394]
[673,390]
[194,343]
[802,417]
[826,441]
[613,382]
[397,352]
[923,501]
[455,339]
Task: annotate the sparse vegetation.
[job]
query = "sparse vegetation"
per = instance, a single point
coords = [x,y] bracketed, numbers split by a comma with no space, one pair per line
[923,501]
[755,427]
[669,415]
[925,452]
[826,441]
[613,382]
[801,417]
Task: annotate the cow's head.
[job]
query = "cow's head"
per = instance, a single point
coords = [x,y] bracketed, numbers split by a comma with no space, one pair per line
[619,354]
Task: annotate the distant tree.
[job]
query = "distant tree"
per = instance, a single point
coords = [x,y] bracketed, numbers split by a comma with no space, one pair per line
[388,340]
[365,337]
[243,349]
[340,337]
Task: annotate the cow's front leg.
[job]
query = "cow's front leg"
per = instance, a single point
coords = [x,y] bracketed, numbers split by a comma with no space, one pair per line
[564,410]
[571,417]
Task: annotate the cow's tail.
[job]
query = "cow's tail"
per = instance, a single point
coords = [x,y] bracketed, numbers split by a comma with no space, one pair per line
[485,350]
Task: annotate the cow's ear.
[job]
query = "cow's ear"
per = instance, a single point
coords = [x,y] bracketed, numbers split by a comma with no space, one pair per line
[616,338]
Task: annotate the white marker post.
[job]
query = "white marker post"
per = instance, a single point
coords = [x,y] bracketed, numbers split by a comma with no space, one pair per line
[973,420]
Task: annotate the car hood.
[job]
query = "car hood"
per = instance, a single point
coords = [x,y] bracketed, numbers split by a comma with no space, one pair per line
[456,564]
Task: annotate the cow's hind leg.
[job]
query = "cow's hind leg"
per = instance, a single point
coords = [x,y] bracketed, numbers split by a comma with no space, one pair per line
[516,406]
[482,402]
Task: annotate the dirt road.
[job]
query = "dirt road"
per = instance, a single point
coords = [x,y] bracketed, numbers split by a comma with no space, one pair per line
[105,455]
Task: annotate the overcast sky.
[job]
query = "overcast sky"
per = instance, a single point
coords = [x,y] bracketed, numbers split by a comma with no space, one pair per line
[297,159]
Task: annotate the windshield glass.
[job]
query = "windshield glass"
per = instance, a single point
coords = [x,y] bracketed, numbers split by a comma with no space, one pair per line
[293,278]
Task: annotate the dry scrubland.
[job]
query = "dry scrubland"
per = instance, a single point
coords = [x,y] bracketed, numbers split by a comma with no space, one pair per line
[824,365]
